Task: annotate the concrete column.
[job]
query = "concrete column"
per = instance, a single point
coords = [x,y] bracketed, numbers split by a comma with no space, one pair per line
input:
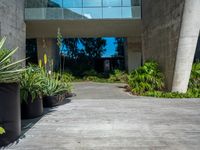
[49,47]
[133,53]
[187,45]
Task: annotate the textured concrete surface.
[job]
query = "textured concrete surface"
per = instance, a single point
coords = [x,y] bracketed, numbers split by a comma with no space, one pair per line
[12,25]
[161,23]
[91,90]
[133,53]
[109,119]
[189,34]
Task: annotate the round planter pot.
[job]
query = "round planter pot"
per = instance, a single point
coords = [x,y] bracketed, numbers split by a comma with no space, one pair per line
[32,109]
[67,95]
[51,101]
[10,117]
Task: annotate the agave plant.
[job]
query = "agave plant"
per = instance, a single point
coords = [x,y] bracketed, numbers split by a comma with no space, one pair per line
[31,83]
[2,130]
[53,86]
[9,70]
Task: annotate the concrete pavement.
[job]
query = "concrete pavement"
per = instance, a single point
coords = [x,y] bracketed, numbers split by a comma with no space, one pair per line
[104,117]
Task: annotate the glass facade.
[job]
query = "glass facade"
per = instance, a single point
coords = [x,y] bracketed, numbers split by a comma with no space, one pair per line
[82,9]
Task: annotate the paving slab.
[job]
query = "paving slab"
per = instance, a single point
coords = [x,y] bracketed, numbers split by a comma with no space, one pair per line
[120,122]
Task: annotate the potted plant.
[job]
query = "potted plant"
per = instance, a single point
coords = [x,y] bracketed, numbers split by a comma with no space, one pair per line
[10,72]
[67,78]
[54,92]
[31,93]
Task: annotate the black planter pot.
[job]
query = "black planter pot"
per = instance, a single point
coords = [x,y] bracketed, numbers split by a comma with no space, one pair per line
[67,95]
[51,101]
[32,109]
[10,117]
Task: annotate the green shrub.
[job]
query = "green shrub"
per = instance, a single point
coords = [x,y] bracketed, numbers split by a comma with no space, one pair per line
[91,78]
[193,90]
[161,94]
[194,84]
[92,75]
[2,131]
[67,77]
[146,78]
[118,76]
[91,72]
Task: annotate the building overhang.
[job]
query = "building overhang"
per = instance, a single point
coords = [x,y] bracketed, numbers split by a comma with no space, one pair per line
[84,28]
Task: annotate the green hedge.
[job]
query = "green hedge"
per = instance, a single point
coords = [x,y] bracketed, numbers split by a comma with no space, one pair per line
[146,78]
[149,81]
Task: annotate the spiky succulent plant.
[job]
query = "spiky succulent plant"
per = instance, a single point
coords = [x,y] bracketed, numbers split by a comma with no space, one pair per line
[10,70]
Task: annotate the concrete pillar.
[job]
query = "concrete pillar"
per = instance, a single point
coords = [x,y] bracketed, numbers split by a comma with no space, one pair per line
[49,47]
[187,45]
[133,53]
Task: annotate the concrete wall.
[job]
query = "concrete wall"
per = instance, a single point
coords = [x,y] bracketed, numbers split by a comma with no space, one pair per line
[160,37]
[12,25]
[133,53]
[49,47]
[170,33]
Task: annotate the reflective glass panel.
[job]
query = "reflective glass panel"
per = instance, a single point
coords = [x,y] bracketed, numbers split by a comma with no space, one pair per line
[35,4]
[72,3]
[92,13]
[127,2]
[92,3]
[54,13]
[112,12]
[127,12]
[54,3]
[73,13]
[110,3]
[136,2]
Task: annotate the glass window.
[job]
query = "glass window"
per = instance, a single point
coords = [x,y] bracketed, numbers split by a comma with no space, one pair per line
[131,2]
[92,3]
[54,3]
[114,12]
[54,13]
[110,3]
[127,12]
[136,3]
[136,12]
[127,2]
[72,3]
[73,13]
[92,13]
[35,4]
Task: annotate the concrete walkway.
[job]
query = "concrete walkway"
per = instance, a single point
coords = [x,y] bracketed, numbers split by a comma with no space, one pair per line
[103,117]
[91,90]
